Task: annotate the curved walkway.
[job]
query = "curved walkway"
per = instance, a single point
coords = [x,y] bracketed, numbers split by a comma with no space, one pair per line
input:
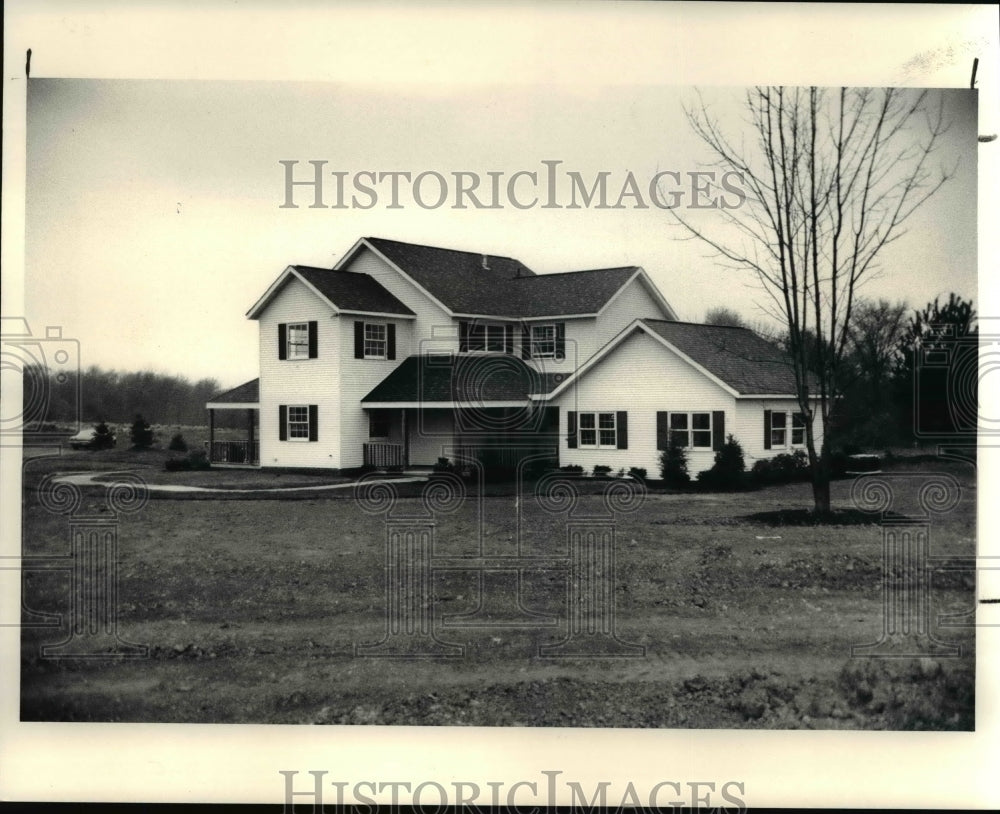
[90,479]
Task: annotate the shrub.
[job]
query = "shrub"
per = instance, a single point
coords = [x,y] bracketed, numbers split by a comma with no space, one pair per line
[673,463]
[638,473]
[443,465]
[142,433]
[104,438]
[196,460]
[600,470]
[782,468]
[728,471]
[572,469]
[178,444]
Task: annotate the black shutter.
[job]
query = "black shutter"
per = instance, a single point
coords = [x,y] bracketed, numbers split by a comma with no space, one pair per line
[282,340]
[571,429]
[282,423]
[313,416]
[662,430]
[525,342]
[767,429]
[621,422]
[508,338]
[359,340]
[718,429]
[313,343]
[463,337]
[560,340]
[390,341]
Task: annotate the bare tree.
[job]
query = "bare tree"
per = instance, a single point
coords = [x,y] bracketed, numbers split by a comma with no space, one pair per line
[830,178]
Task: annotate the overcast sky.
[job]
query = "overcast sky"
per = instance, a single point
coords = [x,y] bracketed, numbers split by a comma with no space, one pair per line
[154,215]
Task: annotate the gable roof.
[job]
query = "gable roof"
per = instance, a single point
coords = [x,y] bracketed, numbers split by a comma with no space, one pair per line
[470,381]
[505,287]
[747,363]
[246,393]
[736,359]
[344,291]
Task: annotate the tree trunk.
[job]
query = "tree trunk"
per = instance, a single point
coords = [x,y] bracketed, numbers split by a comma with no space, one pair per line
[821,482]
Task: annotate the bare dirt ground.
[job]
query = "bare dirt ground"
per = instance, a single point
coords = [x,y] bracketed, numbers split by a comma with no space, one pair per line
[251,610]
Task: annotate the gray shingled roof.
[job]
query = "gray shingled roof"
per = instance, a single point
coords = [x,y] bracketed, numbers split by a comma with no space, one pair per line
[468,379]
[351,291]
[746,362]
[246,393]
[506,287]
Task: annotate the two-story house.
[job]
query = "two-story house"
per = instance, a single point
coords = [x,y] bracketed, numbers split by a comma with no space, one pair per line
[402,354]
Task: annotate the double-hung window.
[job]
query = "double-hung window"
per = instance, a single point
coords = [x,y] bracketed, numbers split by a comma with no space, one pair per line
[779,429]
[298,422]
[297,340]
[543,341]
[798,429]
[375,343]
[693,430]
[598,430]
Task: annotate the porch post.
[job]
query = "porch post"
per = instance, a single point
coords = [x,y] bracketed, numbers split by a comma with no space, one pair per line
[406,437]
[211,434]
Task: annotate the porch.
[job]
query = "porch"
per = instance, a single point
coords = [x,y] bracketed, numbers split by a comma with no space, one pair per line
[235,413]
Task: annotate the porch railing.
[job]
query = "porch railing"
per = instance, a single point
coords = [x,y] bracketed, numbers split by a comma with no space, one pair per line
[381,455]
[235,452]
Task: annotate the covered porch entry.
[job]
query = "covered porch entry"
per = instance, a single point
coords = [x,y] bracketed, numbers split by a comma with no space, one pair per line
[234,426]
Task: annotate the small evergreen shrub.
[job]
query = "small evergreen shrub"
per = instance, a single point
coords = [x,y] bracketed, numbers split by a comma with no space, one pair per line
[141,433]
[600,471]
[178,444]
[673,463]
[572,469]
[728,471]
[637,472]
[195,461]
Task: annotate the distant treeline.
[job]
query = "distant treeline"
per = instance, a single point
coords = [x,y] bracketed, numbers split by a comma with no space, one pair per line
[96,394]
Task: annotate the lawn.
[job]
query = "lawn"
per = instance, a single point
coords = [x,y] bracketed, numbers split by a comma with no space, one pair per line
[251,611]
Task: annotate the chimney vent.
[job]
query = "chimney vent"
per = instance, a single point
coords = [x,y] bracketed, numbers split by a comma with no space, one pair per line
[486,262]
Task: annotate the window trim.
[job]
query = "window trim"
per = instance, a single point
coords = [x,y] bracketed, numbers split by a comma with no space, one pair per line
[533,342]
[384,341]
[597,429]
[289,422]
[301,348]
[690,430]
[783,429]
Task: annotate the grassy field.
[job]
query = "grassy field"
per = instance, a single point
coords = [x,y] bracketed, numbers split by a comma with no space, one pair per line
[251,611]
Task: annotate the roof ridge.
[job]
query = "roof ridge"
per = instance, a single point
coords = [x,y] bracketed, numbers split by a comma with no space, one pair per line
[698,324]
[578,271]
[444,249]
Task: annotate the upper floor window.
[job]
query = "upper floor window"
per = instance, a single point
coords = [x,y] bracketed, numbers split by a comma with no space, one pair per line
[297,340]
[374,340]
[485,337]
[543,341]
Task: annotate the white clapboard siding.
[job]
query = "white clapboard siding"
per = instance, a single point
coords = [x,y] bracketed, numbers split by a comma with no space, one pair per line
[358,377]
[300,381]
[749,427]
[641,377]
[433,330]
